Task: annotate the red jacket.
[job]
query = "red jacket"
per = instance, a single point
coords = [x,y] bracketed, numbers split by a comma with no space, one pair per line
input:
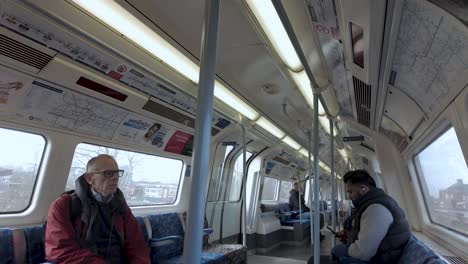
[62,246]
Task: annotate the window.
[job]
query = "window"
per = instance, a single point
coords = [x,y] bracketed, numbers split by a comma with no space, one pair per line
[357,40]
[444,177]
[147,180]
[270,187]
[20,158]
[285,187]
[214,191]
[237,175]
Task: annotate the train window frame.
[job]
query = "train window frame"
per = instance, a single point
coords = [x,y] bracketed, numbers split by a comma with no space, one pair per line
[275,198]
[180,178]
[38,172]
[421,180]
[231,170]
[280,188]
[220,174]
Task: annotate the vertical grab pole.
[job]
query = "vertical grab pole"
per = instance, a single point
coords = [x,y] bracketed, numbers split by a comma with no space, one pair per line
[309,136]
[300,200]
[333,181]
[244,190]
[201,155]
[316,184]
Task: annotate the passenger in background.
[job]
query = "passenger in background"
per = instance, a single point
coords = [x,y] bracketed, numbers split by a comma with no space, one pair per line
[104,231]
[294,204]
[379,231]
[294,199]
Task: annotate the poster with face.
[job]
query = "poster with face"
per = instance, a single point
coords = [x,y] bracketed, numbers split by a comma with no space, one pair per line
[141,130]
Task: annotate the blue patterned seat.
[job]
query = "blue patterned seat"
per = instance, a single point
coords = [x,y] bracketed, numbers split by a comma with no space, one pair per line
[34,244]
[166,225]
[416,252]
[167,240]
[6,246]
[22,245]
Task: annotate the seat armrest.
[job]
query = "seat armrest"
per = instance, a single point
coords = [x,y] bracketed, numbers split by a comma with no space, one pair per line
[157,242]
[207,231]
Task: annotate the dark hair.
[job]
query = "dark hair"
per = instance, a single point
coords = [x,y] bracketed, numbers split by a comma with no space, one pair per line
[359,176]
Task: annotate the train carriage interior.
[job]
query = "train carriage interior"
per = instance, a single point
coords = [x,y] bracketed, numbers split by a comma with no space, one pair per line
[217,110]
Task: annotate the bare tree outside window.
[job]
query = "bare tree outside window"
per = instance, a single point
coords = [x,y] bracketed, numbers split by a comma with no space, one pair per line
[147,180]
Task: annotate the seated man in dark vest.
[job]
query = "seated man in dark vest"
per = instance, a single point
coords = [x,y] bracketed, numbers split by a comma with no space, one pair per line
[104,231]
[294,202]
[380,230]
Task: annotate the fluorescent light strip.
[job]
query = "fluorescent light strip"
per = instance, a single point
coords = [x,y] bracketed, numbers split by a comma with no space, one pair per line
[270,22]
[125,23]
[343,153]
[268,126]
[293,144]
[323,120]
[229,98]
[324,166]
[303,83]
[305,152]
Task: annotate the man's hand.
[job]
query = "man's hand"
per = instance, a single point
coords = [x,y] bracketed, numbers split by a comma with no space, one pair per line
[342,235]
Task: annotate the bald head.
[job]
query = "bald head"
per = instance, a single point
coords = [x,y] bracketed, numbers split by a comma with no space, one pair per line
[97,168]
[91,165]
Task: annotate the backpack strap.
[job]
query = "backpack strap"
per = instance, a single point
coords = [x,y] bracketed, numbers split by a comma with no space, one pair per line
[75,205]
[75,211]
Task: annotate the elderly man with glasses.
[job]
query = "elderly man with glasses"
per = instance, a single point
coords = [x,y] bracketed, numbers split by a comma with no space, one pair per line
[93,223]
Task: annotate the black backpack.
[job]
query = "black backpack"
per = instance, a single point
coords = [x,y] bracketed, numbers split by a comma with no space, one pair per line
[75,210]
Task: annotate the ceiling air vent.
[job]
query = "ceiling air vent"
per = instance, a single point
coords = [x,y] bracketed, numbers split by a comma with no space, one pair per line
[281,160]
[362,95]
[169,113]
[20,52]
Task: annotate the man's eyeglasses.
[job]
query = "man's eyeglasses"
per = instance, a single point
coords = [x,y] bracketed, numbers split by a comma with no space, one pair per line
[110,173]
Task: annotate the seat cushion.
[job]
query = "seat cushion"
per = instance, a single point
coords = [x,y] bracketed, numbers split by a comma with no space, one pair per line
[165,225]
[34,244]
[233,253]
[6,246]
[416,252]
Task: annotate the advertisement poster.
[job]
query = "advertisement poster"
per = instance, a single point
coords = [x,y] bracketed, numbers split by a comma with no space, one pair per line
[269,166]
[142,130]
[10,86]
[180,143]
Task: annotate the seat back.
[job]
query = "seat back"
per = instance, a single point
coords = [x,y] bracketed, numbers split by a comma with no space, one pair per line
[34,244]
[416,252]
[166,225]
[22,245]
[6,246]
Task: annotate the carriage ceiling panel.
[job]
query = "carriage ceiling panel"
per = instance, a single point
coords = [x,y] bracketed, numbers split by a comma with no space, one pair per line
[458,8]
[431,56]
[325,24]
[243,60]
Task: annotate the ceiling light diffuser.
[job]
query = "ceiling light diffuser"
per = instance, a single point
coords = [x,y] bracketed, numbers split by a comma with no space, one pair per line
[271,24]
[118,18]
[293,144]
[268,126]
